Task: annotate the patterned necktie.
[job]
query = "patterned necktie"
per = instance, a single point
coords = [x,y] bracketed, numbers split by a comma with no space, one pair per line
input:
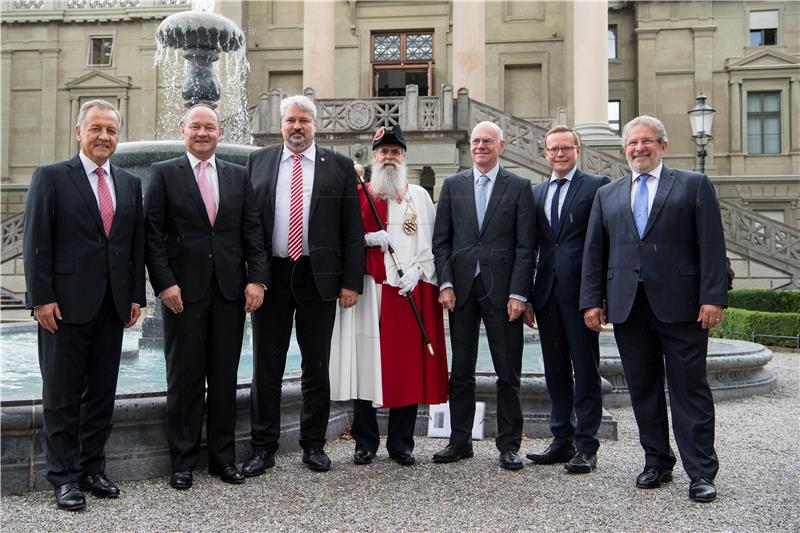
[106,203]
[555,224]
[296,210]
[207,192]
[641,207]
[480,198]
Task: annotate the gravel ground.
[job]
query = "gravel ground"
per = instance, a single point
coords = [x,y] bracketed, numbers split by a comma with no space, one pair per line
[758,483]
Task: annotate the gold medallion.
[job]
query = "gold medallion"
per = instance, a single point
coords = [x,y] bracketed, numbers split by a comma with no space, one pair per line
[410,218]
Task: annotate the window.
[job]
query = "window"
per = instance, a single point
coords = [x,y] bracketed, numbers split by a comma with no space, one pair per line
[612,42]
[613,115]
[100,51]
[399,59]
[764,122]
[763,28]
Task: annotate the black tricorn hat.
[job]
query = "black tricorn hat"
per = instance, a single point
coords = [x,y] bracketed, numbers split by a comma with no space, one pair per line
[391,135]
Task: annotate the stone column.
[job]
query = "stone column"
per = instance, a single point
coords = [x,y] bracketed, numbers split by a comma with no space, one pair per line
[5,113]
[590,62]
[319,41]
[792,116]
[469,47]
[735,121]
[49,134]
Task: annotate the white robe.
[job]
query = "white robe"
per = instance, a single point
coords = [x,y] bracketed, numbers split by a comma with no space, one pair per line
[355,363]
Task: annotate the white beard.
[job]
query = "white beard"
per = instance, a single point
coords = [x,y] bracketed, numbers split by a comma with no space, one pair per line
[389,182]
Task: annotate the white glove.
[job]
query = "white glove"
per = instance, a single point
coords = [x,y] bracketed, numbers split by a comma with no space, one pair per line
[379,238]
[409,280]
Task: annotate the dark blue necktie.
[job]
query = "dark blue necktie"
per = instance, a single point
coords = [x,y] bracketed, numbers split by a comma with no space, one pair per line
[641,205]
[554,223]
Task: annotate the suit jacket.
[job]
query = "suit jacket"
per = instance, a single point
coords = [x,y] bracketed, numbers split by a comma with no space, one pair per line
[335,234]
[560,256]
[182,245]
[502,244]
[680,258]
[68,258]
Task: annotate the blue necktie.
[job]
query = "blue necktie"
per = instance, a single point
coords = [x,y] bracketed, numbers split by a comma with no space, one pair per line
[641,208]
[480,198]
[554,222]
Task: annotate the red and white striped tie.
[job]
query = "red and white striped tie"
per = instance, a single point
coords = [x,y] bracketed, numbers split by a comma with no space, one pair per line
[296,210]
[106,203]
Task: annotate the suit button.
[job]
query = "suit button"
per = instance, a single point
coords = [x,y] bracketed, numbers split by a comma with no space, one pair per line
[556,245]
[642,243]
[212,234]
[636,270]
[99,239]
[211,256]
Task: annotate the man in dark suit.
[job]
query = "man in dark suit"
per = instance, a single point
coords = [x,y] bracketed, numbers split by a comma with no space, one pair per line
[482,248]
[83,248]
[207,263]
[654,266]
[313,235]
[562,205]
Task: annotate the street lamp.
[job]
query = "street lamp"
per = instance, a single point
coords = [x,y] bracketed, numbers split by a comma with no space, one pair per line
[701,116]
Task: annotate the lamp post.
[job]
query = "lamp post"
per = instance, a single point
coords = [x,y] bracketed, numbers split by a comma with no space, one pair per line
[701,116]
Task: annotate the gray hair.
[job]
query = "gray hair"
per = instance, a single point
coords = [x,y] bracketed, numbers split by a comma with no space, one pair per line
[303,102]
[186,115]
[100,104]
[645,120]
[497,129]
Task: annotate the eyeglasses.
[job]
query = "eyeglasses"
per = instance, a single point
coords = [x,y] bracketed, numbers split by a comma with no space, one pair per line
[644,142]
[566,150]
[487,142]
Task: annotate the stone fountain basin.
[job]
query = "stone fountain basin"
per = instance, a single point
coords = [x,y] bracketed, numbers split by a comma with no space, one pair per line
[192,29]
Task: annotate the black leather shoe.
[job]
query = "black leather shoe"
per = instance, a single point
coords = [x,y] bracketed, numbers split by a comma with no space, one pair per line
[702,490]
[316,460]
[180,480]
[403,458]
[70,497]
[451,453]
[510,460]
[228,473]
[99,485]
[363,457]
[258,463]
[555,453]
[652,477]
[581,463]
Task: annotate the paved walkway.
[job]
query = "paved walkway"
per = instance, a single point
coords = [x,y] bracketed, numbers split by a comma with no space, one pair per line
[759,485]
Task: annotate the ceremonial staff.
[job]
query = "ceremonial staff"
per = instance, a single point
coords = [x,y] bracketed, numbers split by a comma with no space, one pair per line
[360,175]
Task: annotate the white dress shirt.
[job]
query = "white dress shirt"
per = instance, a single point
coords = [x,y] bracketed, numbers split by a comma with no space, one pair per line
[211,173]
[283,190]
[562,194]
[90,167]
[652,185]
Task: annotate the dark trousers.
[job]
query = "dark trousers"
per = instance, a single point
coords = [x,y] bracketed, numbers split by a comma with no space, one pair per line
[567,345]
[79,365]
[505,345]
[202,345]
[401,427]
[647,346]
[292,297]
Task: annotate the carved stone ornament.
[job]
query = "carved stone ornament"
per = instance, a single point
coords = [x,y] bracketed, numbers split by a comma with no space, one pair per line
[360,115]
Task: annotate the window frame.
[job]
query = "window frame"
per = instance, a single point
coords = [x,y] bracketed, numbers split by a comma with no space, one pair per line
[764,115]
[403,63]
[613,28]
[618,129]
[758,9]
[90,49]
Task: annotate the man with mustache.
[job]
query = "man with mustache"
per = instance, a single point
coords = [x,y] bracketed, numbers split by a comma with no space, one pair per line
[83,247]
[654,266]
[313,236]
[378,356]
[205,255]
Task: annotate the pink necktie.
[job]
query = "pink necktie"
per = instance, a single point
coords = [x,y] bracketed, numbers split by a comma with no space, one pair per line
[106,203]
[207,192]
[296,210]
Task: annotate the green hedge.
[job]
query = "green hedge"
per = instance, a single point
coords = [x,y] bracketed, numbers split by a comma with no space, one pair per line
[765,300]
[742,323]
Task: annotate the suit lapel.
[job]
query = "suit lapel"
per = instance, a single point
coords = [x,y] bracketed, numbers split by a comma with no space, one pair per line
[468,188]
[224,185]
[192,190]
[626,204]
[320,174]
[665,183]
[572,191]
[500,183]
[122,198]
[81,181]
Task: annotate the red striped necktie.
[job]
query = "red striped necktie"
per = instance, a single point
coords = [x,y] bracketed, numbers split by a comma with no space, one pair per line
[106,203]
[296,210]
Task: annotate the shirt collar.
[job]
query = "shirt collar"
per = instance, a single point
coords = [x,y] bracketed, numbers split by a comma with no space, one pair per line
[90,166]
[310,152]
[195,161]
[492,174]
[656,173]
[568,177]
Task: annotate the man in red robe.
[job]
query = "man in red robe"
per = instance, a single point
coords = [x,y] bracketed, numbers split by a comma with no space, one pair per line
[378,356]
